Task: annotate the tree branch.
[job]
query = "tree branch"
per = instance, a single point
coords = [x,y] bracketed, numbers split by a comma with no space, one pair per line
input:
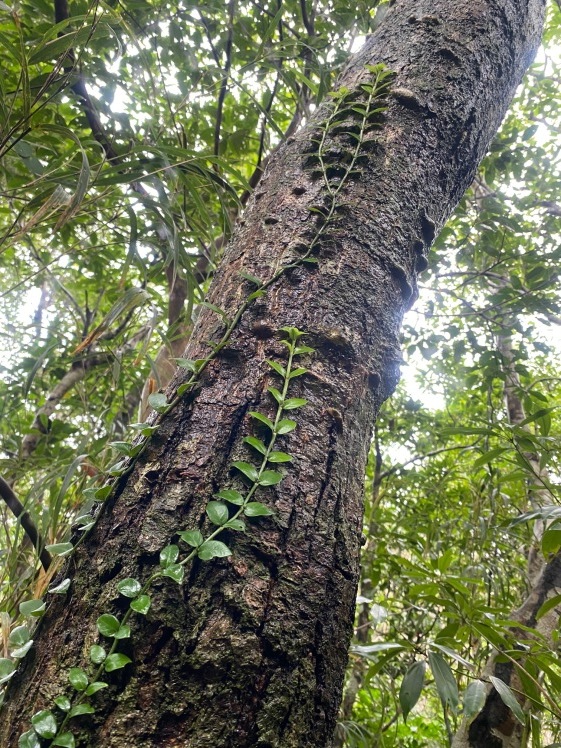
[24,518]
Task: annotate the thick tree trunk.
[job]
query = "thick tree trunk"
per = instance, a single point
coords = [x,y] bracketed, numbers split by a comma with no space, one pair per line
[251,651]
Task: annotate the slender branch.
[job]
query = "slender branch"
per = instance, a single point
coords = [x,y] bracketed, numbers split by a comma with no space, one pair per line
[24,518]
[225,77]
[71,378]
[433,453]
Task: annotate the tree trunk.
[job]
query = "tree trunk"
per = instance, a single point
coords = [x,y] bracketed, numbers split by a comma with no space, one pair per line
[251,650]
[496,726]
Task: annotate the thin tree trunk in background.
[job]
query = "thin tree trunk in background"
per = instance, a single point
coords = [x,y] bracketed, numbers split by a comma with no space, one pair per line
[495,726]
[252,650]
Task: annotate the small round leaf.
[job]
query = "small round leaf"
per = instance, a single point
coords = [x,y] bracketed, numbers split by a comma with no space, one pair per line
[129,587]
[108,625]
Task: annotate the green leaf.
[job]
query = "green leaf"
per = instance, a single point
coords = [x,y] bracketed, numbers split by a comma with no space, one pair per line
[256,444]
[33,608]
[61,588]
[294,402]
[217,512]
[213,549]
[220,312]
[452,653]
[262,418]
[474,700]
[129,587]
[123,632]
[19,636]
[251,278]
[169,555]
[103,493]
[285,426]
[187,363]
[270,478]
[79,709]
[411,687]
[158,402]
[508,697]
[276,394]
[60,549]
[97,654]
[277,367]
[256,509]
[553,602]
[229,494]
[279,457]
[77,678]
[193,538]
[44,723]
[247,469]
[7,669]
[298,372]
[123,447]
[141,604]
[63,703]
[46,51]
[235,524]
[175,572]
[444,679]
[293,332]
[65,739]
[108,625]
[256,295]
[29,739]
[489,456]
[116,661]
[94,687]
[551,540]
[300,349]
[20,652]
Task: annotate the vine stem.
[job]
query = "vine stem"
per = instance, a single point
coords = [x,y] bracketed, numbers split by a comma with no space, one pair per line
[159,574]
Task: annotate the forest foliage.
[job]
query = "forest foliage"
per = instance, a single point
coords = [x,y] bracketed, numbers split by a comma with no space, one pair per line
[131,135]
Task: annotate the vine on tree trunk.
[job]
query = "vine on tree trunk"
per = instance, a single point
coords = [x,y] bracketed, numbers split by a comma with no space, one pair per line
[336,154]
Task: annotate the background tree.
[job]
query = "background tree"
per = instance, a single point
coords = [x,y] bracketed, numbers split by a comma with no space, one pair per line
[174,232]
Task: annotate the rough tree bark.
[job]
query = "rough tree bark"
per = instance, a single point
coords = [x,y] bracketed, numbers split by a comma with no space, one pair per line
[251,651]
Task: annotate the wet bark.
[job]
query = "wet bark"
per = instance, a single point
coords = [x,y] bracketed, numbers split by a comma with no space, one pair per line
[251,651]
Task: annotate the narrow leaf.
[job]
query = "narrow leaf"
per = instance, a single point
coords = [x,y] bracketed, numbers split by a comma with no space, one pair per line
[262,418]
[256,509]
[508,697]
[256,444]
[444,679]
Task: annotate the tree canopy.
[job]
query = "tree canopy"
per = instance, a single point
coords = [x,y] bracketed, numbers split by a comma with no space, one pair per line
[131,135]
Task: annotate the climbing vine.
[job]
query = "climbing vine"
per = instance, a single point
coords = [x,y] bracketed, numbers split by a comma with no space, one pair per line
[352,118]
